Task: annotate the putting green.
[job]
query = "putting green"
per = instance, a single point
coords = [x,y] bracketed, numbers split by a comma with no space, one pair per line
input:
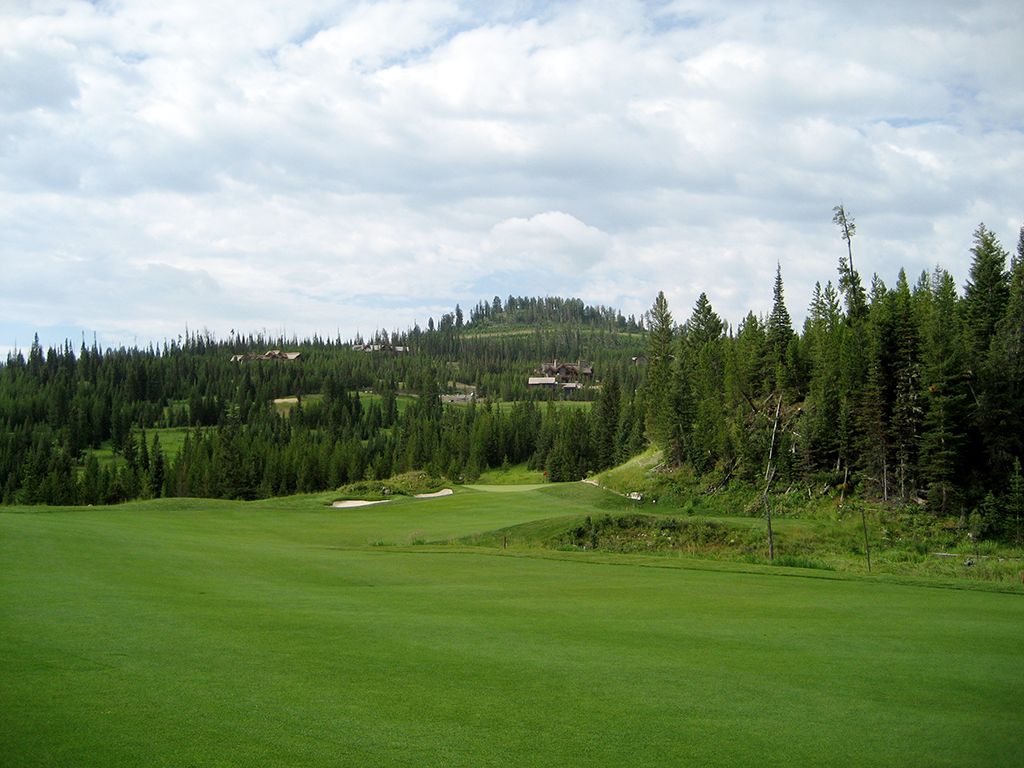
[186,632]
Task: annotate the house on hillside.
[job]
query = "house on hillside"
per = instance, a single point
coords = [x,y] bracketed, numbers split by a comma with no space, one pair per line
[270,354]
[566,373]
[276,354]
[569,377]
[389,348]
[542,382]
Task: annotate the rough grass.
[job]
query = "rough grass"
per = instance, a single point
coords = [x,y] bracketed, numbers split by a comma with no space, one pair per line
[284,405]
[171,440]
[517,474]
[407,484]
[210,633]
[634,476]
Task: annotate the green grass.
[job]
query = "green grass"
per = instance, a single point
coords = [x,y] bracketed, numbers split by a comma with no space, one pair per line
[633,475]
[407,484]
[401,401]
[517,474]
[171,440]
[284,405]
[206,633]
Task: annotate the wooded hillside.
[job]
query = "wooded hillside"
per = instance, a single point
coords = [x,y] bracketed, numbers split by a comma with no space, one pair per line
[911,394]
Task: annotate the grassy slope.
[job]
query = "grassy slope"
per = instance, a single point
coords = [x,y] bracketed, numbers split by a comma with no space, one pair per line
[218,633]
[284,405]
[171,440]
[517,474]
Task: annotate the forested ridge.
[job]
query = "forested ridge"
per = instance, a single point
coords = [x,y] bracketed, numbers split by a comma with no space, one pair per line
[910,394]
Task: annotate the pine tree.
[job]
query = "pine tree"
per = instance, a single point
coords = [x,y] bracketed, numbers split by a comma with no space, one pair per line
[986,292]
[660,363]
[945,397]
[906,409]
[872,401]
[157,469]
[1014,503]
[606,423]
[700,405]
[1002,404]
[823,334]
[679,445]
[89,486]
[779,339]
[986,296]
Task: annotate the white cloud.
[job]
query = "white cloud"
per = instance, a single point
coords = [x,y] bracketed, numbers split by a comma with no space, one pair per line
[282,166]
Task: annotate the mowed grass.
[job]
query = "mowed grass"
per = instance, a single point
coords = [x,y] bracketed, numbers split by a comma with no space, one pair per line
[204,633]
[171,441]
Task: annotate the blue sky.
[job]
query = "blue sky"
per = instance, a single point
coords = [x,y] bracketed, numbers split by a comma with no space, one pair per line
[340,167]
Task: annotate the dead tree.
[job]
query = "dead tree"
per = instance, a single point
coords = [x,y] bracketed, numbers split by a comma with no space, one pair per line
[769,475]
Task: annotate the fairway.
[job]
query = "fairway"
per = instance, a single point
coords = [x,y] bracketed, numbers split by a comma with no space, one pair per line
[284,633]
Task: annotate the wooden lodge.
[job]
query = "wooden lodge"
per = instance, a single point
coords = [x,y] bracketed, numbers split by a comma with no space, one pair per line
[562,375]
[270,354]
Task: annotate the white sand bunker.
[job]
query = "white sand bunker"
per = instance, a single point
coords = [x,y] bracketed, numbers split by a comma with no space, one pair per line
[357,503]
[436,494]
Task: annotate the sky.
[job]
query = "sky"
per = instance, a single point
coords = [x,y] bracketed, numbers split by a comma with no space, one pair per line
[340,167]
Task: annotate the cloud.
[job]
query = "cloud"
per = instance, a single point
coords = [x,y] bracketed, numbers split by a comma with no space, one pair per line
[552,240]
[291,166]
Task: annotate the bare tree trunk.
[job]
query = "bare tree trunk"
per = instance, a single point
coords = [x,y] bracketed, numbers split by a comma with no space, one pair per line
[867,546]
[769,475]
[771,446]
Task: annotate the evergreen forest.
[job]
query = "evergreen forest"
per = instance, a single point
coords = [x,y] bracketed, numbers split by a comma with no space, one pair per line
[910,394]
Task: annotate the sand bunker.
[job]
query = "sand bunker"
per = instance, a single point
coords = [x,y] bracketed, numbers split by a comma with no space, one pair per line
[436,494]
[356,503]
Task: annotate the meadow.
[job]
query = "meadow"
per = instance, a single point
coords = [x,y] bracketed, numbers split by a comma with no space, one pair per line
[171,440]
[420,632]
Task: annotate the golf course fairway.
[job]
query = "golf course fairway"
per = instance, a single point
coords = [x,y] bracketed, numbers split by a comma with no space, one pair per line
[182,632]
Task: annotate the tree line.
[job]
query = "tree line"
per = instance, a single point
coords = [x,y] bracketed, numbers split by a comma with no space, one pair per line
[912,393]
[59,409]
